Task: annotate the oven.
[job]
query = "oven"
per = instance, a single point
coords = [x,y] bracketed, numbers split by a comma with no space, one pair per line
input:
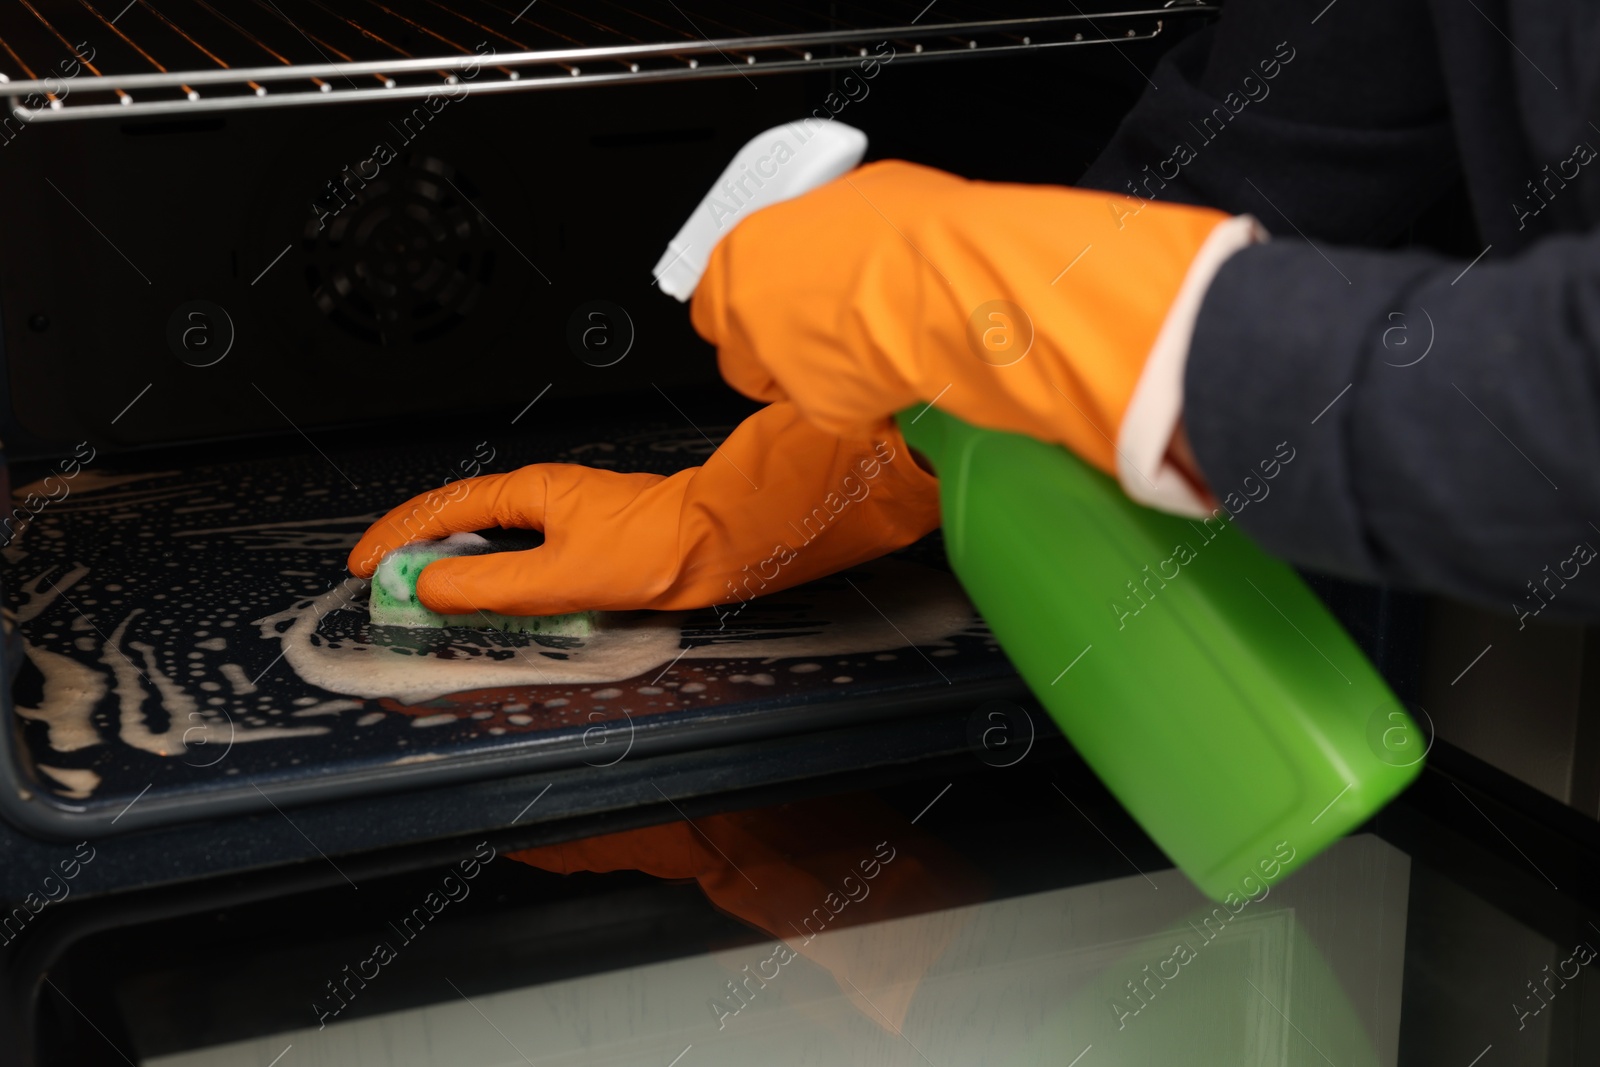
[274,266]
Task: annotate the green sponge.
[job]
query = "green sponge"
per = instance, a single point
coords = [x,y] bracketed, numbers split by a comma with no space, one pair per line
[393,601]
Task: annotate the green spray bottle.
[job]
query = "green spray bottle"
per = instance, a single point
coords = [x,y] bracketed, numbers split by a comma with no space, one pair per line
[1222,705]
[1202,680]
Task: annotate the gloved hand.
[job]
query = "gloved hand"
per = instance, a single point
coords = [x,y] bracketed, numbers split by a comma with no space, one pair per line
[779,503]
[874,291]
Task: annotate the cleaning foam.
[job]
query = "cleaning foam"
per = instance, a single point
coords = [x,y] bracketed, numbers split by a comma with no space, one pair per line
[393,600]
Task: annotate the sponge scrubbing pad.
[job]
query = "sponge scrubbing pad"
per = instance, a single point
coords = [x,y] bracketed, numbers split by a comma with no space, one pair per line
[393,601]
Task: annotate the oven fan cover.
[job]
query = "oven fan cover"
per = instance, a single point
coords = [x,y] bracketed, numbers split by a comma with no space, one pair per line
[402,258]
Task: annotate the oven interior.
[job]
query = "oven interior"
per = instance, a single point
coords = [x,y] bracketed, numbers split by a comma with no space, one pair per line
[285,266]
[273,268]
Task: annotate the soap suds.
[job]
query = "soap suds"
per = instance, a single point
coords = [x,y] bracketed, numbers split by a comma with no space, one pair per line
[71,691]
[42,591]
[928,604]
[388,573]
[79,784]
[627,651]
[327,707]
[242,686]
[187,723]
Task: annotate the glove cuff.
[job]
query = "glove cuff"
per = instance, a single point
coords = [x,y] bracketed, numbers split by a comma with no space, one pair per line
[1157,401]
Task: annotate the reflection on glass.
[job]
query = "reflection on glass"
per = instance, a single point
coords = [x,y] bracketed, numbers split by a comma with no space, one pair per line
[1135,971]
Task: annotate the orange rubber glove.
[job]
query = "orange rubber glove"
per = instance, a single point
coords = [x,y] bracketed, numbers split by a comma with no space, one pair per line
[875,291]
[779,503]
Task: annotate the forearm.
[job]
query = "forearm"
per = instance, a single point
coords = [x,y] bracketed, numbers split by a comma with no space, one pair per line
[1341,128]
[1442,418]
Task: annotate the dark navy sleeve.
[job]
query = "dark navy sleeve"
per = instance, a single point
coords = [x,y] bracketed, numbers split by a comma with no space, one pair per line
[1443,415]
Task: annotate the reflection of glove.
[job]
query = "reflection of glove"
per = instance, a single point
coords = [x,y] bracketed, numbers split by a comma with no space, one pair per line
[869,293]
[779,503]
[798,871]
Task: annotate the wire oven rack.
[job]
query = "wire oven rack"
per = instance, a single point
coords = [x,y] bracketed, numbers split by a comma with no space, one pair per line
[81,59]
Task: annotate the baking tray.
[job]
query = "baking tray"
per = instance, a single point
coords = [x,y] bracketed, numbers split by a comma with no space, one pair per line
[196,646]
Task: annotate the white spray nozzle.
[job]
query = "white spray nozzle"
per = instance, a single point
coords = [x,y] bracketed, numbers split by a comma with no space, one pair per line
[777,165]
